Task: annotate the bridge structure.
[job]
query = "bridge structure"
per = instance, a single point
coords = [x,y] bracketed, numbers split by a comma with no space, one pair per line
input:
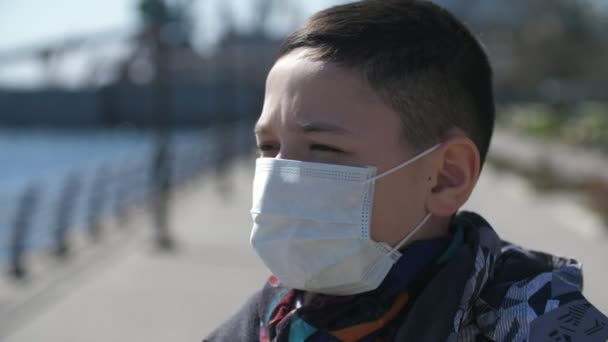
[160,69]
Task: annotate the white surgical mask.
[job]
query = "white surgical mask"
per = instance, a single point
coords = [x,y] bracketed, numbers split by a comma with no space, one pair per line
[311,225]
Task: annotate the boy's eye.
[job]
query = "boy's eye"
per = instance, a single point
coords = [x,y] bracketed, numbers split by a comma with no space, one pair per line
[324,148]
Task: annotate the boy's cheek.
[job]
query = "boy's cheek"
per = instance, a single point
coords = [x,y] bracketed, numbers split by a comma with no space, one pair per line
[396,210]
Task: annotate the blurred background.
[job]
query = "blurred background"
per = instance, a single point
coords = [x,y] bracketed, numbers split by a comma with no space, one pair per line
[126,153]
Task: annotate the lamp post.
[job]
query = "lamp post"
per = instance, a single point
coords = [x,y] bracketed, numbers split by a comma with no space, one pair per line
[156,16]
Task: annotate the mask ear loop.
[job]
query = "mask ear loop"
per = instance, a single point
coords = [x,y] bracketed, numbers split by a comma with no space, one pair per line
[406,163]
[410,234]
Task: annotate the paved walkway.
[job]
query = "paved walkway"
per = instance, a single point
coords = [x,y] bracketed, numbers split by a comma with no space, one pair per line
[139,294]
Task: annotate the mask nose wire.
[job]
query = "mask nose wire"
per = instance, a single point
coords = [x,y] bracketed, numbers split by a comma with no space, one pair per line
[405,163]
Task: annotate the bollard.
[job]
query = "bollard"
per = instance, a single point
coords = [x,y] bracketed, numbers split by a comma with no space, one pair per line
[64,214]
[120,199]
[23,218]
[96,203]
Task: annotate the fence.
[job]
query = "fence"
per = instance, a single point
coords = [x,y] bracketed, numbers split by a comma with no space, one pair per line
[46,211]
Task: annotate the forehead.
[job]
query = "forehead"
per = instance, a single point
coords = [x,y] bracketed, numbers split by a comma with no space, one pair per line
[297,78]
[300,89]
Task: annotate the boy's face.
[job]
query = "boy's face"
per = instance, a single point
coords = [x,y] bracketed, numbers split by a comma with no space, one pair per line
[319,112]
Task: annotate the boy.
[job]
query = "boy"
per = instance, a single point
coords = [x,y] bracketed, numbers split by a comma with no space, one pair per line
[377,119]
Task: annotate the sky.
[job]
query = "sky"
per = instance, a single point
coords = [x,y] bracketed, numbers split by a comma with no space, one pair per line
[30,21]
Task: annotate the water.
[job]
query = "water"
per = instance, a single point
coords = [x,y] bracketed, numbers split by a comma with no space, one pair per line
[30,154]
[52,161]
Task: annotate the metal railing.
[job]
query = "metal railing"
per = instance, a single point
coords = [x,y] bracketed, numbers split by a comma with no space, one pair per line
[46,211]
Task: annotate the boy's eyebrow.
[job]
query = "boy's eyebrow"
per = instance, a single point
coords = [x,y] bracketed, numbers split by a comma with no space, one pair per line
[307,127]
[322,127]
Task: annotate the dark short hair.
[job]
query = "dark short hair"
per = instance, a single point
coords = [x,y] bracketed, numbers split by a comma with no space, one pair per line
[418,57]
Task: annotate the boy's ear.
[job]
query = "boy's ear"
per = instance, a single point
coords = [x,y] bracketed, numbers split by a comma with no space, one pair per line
[456,173]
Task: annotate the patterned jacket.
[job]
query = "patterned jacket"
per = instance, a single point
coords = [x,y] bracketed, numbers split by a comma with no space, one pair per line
[490,290]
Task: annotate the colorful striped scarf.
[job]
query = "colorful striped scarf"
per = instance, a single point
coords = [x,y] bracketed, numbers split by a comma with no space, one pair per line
[294,315]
